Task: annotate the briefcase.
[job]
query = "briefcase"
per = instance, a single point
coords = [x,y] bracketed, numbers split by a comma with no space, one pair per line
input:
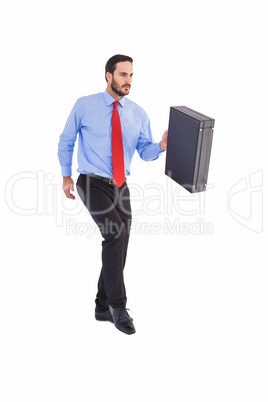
[189,147]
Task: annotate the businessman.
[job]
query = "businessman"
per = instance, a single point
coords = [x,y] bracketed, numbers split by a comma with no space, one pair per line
[110,127]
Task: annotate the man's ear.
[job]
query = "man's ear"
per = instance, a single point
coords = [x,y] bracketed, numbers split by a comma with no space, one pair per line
[108,76]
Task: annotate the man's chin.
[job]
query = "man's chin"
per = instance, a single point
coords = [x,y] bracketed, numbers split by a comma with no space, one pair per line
[122,92]
[126,90]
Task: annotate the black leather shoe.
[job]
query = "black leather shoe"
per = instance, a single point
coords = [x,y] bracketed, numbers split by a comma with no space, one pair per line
[104,316]
[122,320]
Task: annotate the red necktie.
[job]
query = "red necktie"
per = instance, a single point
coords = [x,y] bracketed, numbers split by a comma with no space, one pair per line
[117,149]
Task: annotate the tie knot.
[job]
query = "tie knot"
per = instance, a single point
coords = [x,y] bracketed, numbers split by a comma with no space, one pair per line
[116,103]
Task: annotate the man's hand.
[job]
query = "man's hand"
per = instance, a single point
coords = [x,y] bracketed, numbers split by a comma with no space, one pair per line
[68,186]
[163,142]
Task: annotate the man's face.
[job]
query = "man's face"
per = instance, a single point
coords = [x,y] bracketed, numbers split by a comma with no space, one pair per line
[120,81]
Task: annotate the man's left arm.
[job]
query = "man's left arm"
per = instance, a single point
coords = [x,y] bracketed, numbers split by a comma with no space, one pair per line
[146,147]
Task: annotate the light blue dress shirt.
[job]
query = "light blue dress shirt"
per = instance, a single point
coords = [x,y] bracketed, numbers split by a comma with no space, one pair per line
[91,117]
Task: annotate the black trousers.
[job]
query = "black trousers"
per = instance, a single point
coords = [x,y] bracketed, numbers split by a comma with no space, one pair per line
[110,208]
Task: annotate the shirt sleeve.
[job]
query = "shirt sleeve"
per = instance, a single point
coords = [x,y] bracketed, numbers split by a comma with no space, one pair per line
[68,138]
[146,147]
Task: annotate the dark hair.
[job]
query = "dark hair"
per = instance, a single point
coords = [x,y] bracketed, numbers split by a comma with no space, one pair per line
[111,63]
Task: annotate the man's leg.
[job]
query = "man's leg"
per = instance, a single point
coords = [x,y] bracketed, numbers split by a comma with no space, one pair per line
[124,210]
[110,209]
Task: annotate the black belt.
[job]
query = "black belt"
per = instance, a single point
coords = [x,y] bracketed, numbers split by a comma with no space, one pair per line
[108,180]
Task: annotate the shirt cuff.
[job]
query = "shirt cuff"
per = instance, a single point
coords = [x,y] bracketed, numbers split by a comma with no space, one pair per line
[66,170]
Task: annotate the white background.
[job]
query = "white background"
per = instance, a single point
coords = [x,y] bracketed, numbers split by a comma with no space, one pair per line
[198,298]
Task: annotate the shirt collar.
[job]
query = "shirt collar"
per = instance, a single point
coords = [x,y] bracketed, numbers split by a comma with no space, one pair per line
[110,100]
